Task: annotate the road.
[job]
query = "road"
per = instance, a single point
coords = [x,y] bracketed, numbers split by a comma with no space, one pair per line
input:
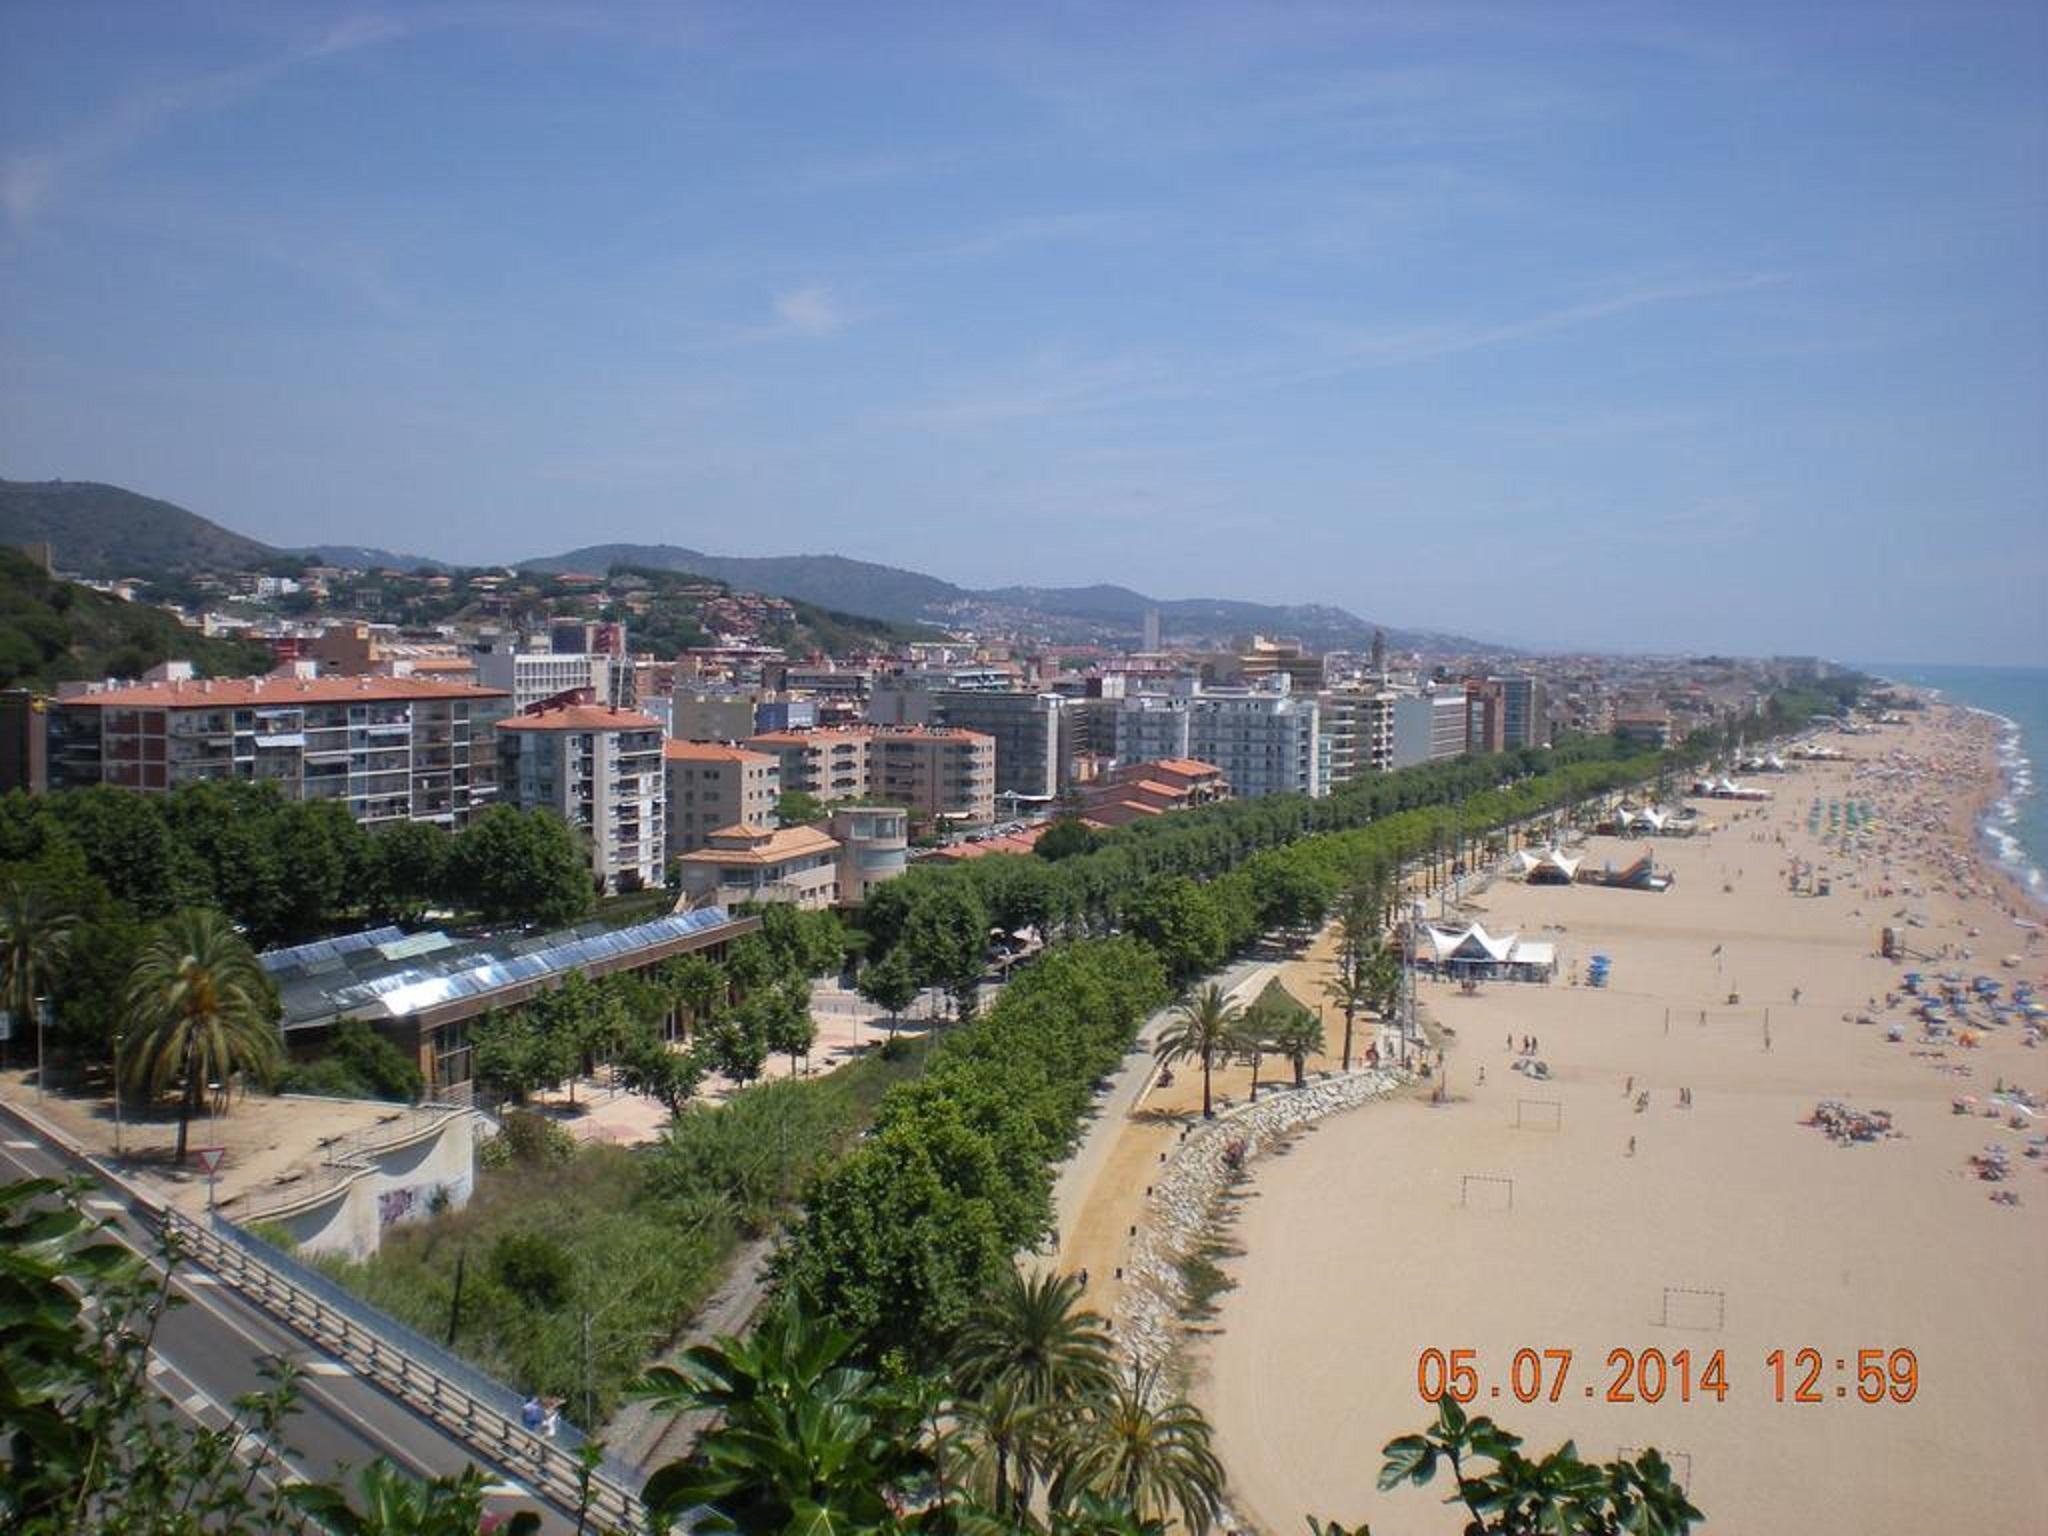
[207,1353]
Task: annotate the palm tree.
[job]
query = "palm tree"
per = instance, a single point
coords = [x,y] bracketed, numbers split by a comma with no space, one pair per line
[1349,990]
[800,1431]
[1025,1358]
[1297,1036]
[1204,1026]
[199,1008]
[34,937]
[1155,1457]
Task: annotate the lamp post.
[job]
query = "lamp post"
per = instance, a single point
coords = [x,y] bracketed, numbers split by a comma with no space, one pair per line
[119,1038]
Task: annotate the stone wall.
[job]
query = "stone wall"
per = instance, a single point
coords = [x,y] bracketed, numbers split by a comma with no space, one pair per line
[1180,1215]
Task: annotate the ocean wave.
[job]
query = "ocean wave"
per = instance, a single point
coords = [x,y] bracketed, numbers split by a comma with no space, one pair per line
[2003,814]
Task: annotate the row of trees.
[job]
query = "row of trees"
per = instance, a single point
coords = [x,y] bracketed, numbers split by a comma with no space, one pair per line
[756,1003]
[113,862]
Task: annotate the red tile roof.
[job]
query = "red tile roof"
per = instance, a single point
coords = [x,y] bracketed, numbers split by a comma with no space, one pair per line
[713,752]
[580,717]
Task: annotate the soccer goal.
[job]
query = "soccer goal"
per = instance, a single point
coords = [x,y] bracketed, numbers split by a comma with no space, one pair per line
[1702,1308]
[1486,1191]
[1539,1114]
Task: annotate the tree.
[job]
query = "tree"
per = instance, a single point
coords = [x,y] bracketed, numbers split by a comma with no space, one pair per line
[652,1066]
[697,984]
[1064,838]
[407,869]
[514,1056]
[1518,1495]
[787,1025]
[889,985]
[1152,1452]
[1027,1357]
[735,1046]
[795,808]
[1297,1035]
[945,941]
[35,936]
[804,1439]
[1349,990]
[200,1009]
[1182,921]
[520,866]
[1203,1028]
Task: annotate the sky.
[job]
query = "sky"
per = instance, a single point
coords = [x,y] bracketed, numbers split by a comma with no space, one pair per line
[1621,326]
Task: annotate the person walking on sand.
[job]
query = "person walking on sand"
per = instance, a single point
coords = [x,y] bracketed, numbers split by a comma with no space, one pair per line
[1631,1146]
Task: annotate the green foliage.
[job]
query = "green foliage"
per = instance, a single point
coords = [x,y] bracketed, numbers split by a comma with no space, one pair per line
[359,1064]
[54,631]
[1066,837]
[900,1238]
[535,1268]
[528,1140]
[200,1010]
[510,866]
[797,808]
[1560,1492]
[1204,1028]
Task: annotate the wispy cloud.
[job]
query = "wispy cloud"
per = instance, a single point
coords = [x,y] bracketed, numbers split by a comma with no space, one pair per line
[1061,386]
[30,179]
[810,311]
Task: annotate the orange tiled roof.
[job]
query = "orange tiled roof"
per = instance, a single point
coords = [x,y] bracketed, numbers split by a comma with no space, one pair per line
[240,692]
[713,752]
[580,717]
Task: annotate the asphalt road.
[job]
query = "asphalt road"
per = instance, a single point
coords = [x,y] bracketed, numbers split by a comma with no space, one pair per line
[207,1353]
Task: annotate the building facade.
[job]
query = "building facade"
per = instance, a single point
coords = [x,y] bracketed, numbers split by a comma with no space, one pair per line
[1429,727]
[942,774]
[798,865]
[1029,730]
[600,770]
[711,787]
[389,748]
[1263,739]
[533,677]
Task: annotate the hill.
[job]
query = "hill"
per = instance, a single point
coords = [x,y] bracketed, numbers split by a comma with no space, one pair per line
[364,557]
[829,581]
[57,631]
[104,532]
[1102,612]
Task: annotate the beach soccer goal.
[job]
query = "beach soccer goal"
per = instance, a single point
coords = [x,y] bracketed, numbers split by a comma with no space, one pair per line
[1539,1114]
[1701,1308]
[1486,1192]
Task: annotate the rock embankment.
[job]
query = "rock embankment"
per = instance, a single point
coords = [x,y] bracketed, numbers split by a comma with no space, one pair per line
[1181,1211]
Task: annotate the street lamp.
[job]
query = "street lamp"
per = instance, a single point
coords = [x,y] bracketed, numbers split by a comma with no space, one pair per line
[119,1038]
[43,1011]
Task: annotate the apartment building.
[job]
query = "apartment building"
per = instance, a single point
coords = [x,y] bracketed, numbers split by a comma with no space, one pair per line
[940,773]
[1429,727]
[600,769]
[1029,731]
[533,677]
[711,787]
[1358,726]
[709,714]
[389,748]
[1265,740]
[1151,727]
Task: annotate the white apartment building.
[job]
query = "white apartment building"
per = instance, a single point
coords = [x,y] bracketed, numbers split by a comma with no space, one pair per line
[1264,739]
[533,676]
[1358,726]
[1429,727]
[600,770]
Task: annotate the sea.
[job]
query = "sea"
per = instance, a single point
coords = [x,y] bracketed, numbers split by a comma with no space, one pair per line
[2016,825]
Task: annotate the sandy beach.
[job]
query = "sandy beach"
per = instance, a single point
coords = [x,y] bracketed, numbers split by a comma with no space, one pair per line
[1730,1225]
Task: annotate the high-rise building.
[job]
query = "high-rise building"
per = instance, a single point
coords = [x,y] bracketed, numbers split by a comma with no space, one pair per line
[389,748]
[1358,724]
[1152,727]
[599,769]
[711,714]
[533,677]
[940,773]
[1264,739]
[1150,638]
[1429,727]
[1525,711]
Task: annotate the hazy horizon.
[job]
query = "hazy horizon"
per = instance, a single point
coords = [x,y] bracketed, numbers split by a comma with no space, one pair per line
[1584,327]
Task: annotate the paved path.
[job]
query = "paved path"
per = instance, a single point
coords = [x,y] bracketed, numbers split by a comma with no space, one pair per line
[1077,1176]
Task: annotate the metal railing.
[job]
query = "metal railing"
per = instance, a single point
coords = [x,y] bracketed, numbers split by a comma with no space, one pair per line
[473,1407]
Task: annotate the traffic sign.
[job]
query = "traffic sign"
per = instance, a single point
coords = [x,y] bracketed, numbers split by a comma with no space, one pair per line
[210,1158]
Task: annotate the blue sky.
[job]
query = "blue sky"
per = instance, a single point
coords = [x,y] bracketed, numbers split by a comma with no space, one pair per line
[1625,326]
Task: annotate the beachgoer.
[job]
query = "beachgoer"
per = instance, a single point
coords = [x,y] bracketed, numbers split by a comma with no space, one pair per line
[1482,1077]
[553,1421]
[1631,1146]
[1084,1277]
[531,1414]
[1629,1086]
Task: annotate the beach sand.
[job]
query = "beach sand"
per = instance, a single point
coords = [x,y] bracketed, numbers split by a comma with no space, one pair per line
[1359,1255]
